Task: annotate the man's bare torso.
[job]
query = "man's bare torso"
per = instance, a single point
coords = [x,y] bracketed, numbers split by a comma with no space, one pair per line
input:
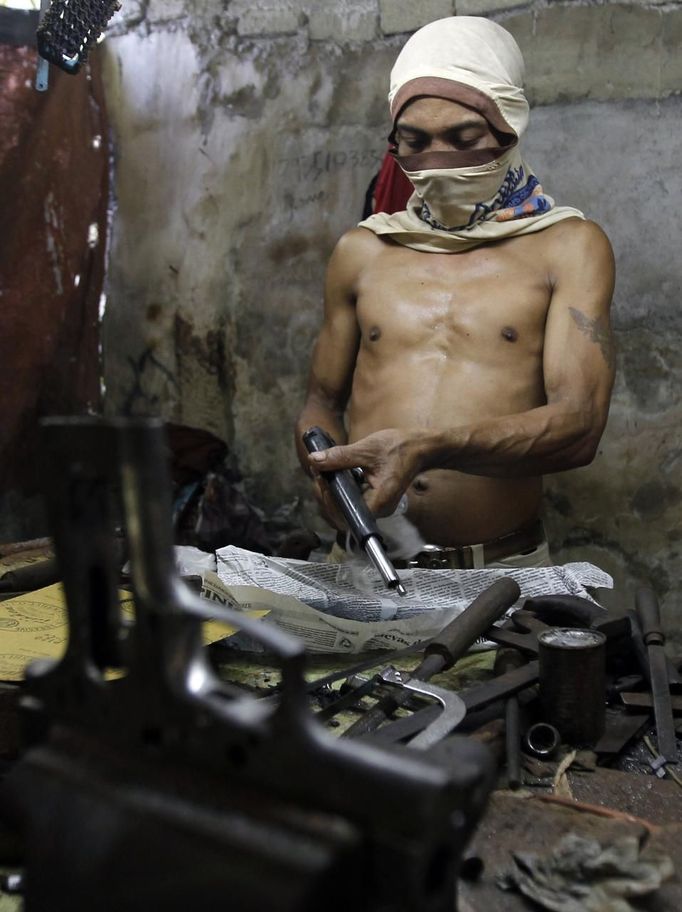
[446,340]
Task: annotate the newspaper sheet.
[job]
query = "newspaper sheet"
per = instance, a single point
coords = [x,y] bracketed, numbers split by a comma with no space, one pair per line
[346,608]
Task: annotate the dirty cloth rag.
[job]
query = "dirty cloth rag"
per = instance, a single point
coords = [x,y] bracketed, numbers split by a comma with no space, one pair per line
[580,875]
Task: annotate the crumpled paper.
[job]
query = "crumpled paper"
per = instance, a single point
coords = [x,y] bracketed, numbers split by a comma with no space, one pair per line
[581,875]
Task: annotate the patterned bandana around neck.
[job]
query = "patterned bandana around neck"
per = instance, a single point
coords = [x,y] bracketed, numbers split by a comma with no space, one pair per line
[463,199]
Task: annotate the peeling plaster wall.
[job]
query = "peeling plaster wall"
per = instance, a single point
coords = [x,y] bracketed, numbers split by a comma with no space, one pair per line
[246,134]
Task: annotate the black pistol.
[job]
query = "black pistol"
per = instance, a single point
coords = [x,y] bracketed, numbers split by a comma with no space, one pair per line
[361,522]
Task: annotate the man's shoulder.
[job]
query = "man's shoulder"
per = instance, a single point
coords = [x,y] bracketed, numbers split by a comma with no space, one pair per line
[576,234]
[578,252]
[354,251]
[359,242]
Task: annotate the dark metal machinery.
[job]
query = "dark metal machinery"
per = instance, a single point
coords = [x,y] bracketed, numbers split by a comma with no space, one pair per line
[167,789]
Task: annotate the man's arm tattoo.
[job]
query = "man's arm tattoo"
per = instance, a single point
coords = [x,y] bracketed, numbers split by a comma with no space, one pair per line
[598,331]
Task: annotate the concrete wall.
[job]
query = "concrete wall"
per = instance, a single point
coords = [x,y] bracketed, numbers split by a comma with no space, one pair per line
[246,134]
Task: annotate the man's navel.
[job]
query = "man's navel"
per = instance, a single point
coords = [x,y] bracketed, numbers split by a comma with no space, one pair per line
[509,333]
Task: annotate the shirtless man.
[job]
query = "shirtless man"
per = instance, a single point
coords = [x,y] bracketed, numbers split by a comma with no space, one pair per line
[463,360]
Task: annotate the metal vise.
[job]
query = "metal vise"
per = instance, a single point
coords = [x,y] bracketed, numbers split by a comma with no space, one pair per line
[166,788]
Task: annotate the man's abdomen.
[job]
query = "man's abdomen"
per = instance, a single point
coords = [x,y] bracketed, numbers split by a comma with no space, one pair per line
[451,508]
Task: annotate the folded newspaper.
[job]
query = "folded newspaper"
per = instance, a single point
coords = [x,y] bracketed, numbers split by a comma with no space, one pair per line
[346,608]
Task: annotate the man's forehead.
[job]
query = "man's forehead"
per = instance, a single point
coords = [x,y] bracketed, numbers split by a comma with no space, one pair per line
[443,110]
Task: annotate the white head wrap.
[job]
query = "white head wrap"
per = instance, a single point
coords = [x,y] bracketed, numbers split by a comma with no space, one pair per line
[463,199]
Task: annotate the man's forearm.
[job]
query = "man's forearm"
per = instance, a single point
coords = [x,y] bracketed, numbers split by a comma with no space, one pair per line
[547,439]
[550,438]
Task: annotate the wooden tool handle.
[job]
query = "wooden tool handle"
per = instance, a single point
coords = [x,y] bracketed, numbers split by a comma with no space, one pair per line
[463,631]
[646,606]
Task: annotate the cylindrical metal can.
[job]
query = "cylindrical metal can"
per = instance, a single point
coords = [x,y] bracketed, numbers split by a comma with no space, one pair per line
[573,682]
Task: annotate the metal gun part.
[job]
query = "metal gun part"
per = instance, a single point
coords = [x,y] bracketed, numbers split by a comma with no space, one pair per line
[362,524]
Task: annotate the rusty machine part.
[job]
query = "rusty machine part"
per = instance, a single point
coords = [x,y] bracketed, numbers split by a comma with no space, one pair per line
[164,787]
[68,28]
[572,664]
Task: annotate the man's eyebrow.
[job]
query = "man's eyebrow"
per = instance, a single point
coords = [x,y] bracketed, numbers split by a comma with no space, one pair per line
[455,128]
[404,126]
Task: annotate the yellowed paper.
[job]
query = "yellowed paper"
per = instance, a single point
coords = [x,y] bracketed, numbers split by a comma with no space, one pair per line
[34,626]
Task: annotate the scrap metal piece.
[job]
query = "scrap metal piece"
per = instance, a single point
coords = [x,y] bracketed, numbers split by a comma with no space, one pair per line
[542,740]
[621,728]
[166,788]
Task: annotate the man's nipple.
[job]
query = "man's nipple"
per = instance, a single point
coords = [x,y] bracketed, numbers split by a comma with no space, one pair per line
[374,334]
[419,486]
[509,333]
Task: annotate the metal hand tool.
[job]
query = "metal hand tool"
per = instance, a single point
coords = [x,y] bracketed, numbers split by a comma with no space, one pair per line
[357,514]
[640,650]
[503,686]
[382,658]
[478,697]
[444,650]
[349,697]
[454,708]
[646,607]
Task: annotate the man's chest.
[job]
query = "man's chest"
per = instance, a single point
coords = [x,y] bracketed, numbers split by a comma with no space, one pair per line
[494,295]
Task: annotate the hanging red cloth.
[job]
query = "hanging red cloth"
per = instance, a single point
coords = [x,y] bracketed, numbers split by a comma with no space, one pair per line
[392,189]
